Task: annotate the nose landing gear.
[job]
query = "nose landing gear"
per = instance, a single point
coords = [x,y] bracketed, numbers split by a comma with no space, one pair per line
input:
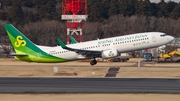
[93,62]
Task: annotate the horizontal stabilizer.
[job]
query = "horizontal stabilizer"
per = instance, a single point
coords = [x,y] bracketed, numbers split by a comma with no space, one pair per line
[14,54]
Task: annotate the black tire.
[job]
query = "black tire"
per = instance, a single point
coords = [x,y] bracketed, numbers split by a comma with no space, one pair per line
[93,62]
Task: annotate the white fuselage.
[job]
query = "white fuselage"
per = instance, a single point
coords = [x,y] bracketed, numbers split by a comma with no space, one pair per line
[122,44]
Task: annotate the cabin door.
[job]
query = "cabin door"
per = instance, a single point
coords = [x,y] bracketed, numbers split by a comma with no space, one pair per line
[154,38]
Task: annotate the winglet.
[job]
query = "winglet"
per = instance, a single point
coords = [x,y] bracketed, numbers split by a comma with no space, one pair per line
[61,43]
[73,40]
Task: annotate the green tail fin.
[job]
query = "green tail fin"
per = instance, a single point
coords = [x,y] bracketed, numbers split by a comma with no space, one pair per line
[21,44]
[27,50]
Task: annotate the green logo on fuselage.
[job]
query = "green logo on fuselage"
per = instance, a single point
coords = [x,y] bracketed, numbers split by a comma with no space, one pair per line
[111,53]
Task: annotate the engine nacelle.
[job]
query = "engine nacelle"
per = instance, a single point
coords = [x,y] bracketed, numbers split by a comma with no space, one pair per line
[109,53]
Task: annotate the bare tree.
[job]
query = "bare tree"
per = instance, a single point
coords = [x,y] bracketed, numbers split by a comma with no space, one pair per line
[91,30]
[4,40]
[45,32]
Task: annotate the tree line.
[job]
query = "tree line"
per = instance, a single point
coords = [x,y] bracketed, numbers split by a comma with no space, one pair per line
[25,11]
[45,32]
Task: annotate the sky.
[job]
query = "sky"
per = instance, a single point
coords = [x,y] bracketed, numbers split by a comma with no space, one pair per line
[164,0]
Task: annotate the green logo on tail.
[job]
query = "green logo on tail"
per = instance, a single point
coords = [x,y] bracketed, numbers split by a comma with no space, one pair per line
[19,41]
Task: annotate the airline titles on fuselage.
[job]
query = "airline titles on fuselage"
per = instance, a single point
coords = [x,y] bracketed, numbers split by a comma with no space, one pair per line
[121,39]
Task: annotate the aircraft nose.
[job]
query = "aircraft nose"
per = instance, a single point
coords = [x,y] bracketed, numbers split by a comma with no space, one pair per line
[171,38]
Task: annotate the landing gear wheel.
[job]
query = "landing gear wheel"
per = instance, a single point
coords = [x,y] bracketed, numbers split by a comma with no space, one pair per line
[93,62]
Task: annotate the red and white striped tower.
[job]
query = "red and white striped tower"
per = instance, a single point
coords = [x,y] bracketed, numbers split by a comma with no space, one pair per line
[74,11]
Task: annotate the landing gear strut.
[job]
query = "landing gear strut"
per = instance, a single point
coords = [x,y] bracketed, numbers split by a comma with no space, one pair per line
[93,62]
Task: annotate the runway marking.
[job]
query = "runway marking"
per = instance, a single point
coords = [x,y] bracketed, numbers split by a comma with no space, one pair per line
[112,72]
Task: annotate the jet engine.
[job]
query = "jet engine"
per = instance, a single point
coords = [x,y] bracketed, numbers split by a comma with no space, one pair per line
[109,53]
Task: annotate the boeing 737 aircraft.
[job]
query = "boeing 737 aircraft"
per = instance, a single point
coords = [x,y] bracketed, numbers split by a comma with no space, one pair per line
[103,48]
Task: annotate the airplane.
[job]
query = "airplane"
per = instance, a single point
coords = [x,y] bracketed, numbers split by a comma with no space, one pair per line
[26,50]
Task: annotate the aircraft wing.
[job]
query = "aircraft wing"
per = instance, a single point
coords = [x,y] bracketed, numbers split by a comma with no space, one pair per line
[86,53]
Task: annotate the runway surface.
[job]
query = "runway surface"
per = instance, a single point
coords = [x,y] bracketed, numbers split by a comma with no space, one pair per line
[88,85]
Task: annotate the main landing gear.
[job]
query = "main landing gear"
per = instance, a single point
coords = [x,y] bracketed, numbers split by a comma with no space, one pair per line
[93,62]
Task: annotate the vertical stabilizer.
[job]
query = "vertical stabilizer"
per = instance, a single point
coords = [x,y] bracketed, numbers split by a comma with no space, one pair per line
[21,44]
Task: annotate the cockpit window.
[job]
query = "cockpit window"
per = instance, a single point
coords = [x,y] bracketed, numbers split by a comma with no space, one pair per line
[163,35]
